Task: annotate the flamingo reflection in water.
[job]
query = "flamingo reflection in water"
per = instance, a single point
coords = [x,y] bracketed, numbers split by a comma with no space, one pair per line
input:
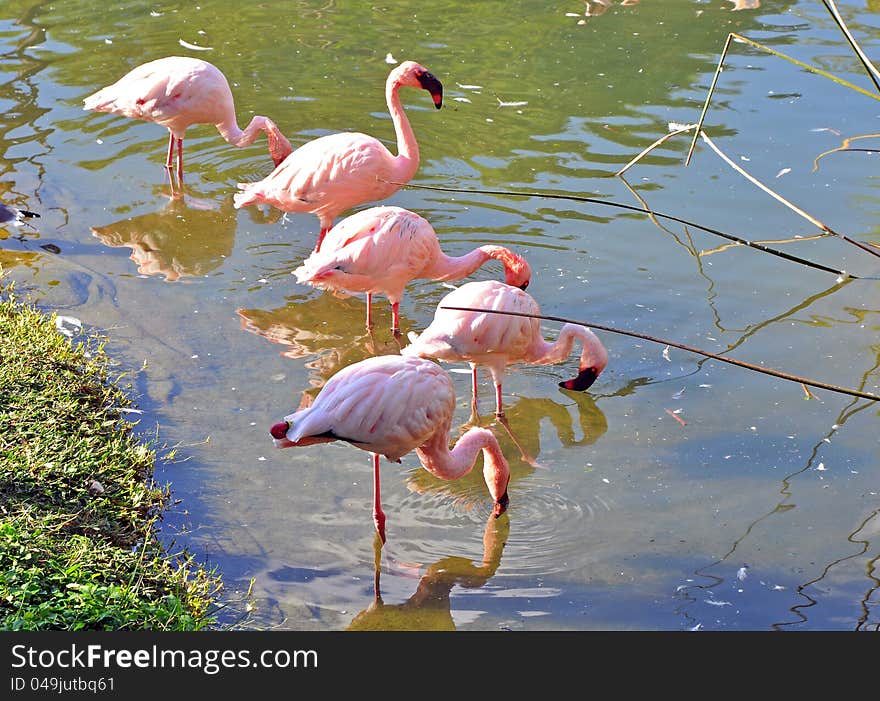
[429,607]
[177,241]
[320,330]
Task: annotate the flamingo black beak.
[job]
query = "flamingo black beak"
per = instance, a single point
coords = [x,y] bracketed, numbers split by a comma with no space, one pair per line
[501,505]
[585,378]
[524,285]
[433,86]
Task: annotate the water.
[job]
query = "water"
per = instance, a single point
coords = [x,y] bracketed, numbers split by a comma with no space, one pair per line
[678,493]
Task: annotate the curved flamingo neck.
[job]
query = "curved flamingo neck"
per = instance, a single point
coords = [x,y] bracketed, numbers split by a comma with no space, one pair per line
[593,353]
[279,146]
[445,267]
[406,163]
[439,460]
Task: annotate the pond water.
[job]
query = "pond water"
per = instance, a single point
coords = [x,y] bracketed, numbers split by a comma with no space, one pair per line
[678,492]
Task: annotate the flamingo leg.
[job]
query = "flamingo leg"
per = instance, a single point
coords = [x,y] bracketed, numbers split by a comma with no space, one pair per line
[369,310]
[475,412]
[170,159]
[395,318]
[321,235]
[499,410]
[180,162]
[378,514]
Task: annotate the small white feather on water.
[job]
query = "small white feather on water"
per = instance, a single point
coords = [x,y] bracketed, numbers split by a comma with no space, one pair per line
[187,45]
[70,326]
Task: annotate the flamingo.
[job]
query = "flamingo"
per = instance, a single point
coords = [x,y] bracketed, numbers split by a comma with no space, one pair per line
[498,340]
[391,405]
[176,92]
[382,248]
[17,216]
[333,173]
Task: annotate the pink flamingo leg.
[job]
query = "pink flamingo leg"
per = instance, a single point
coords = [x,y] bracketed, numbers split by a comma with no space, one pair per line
[369,310]
[499,412]
[475,412]
[395,318]
[378,514]
[321,235]
[170,159]
[180,161]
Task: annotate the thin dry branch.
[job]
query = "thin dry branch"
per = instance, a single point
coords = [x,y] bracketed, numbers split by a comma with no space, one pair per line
[780,198]
[795,239]
[679,130]
[866,62]
[845,146]
[841,274]
[741,39]
[741,363]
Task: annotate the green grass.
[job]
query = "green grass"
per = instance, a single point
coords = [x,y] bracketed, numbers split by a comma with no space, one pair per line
[79,547]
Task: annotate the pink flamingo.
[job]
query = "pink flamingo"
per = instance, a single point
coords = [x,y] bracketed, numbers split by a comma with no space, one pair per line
[379,250]
[177,91]
[499,340]
[333,173]
[390,405]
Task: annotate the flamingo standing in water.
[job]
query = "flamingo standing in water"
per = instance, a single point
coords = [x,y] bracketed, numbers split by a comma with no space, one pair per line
[382,248]
[333,173]
[499,340]
[176,92]
[391,405]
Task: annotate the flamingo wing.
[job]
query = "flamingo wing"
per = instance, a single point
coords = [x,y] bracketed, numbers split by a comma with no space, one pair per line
[375,250]
[387,405]
[477,336]
[329,174]
[162,91]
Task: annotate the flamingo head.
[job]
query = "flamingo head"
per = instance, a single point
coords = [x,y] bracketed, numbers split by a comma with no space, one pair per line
[279,434]
[518,272]
[496,471]
[584,380]
[415,75]
[501,505]
[594,358]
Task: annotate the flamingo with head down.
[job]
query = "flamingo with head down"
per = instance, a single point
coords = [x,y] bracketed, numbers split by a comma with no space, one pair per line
[381,249]
[177,92]
[499,340]
[391,405]
[333,173]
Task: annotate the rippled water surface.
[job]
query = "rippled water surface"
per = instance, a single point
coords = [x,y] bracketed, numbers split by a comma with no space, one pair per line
[678,492]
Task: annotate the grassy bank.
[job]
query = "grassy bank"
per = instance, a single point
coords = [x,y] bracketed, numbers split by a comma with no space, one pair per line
[78,506]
